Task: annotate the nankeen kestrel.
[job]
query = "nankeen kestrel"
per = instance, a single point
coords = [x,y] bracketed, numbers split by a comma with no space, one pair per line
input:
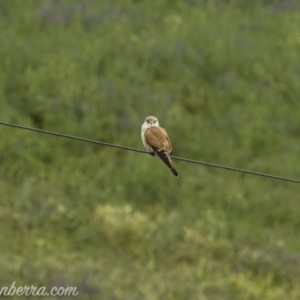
[157,142]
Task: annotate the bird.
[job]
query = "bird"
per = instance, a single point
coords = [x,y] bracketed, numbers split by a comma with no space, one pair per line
[157,142]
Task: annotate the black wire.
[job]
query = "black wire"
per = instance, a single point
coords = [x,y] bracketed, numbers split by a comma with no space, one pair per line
[142,151]
[71,137]
[236,169]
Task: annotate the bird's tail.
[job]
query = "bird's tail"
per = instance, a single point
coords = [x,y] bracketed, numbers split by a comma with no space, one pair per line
[165,157]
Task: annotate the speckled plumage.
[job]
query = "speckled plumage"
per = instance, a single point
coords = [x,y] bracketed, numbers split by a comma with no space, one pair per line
[157,142]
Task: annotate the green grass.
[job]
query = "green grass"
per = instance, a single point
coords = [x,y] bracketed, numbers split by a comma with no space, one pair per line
[222,77]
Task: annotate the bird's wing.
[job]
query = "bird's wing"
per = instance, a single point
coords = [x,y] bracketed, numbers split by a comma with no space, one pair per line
[158,139]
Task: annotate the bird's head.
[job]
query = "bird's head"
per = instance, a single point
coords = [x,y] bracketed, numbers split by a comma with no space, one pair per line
[150,122]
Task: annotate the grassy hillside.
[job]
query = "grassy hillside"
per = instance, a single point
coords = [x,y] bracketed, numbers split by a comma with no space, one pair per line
[222,76]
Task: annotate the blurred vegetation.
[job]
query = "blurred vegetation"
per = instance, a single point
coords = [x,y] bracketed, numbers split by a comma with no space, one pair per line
[222,76]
